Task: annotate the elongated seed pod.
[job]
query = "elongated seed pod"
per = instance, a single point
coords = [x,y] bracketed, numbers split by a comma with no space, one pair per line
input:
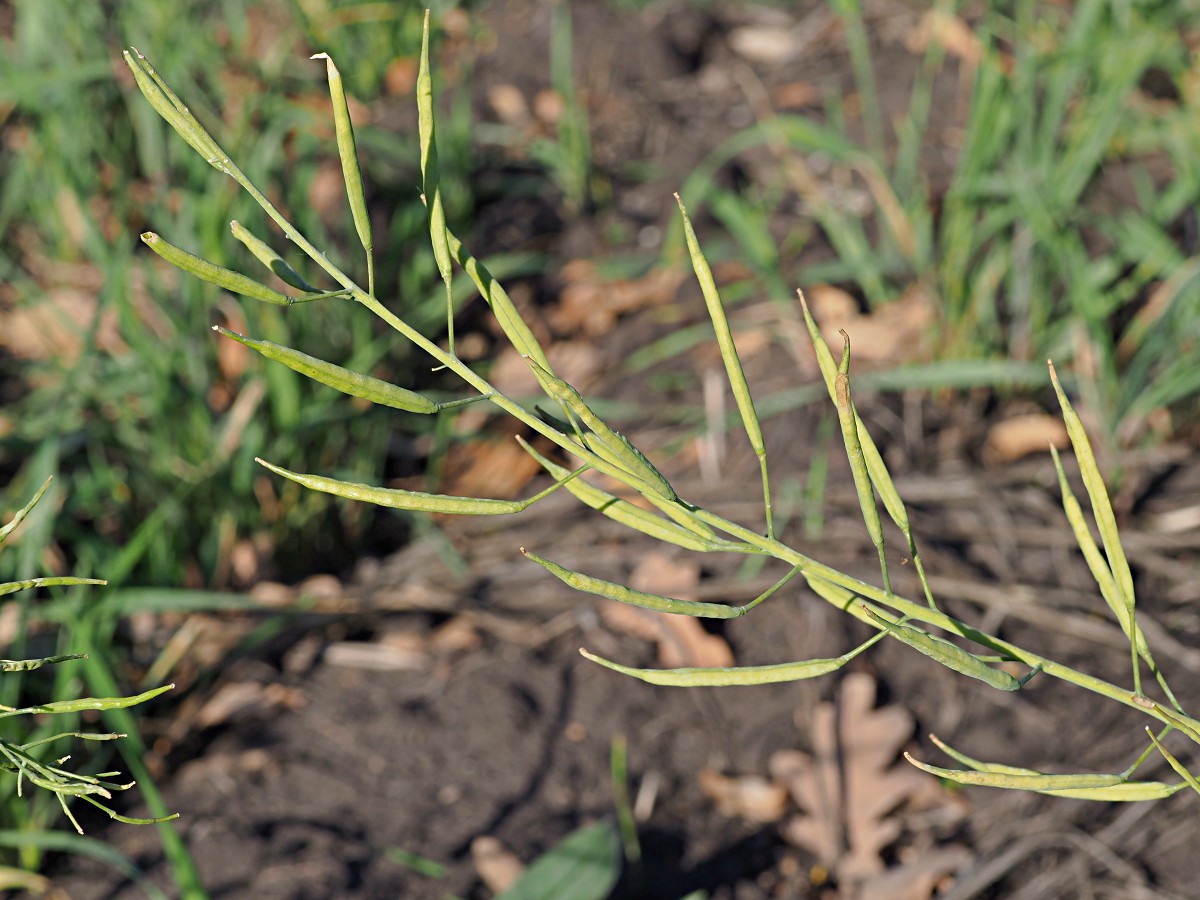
[858,465]
[212,273]
[12,587]
[169,106]
[503,308]
[20,514]
[415,501]
[348,382]
[611,444]
[1036,782]
[98,703]
[740,675]
[429,175]
[631,515]
[347,152]
[948,654]
[623,594]
[729,355]
[1124,792]
[269,258]
[26,665]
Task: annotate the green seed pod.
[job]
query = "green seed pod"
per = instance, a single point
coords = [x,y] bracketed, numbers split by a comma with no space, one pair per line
[429,175]
[414,501]
[99,703]
[949,655]
[52,581]
[348,154]
[624,594]
[610,444]
[632,515]
[269,258]
[178,116]
[741,675]
[348,382]
[1035,782]
[214,274]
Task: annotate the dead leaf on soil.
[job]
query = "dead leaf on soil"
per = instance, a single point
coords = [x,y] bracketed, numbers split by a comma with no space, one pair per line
[949,32]
[892,333]
[749,797]
[850,792]
[1020,436]
[496,467]
[496,866]
[590,304]
[682,640]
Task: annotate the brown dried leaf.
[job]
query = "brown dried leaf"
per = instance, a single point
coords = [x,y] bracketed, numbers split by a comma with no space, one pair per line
[893,333]
[850,788]
[1019,436]
[590,305]
[747,796]
[497,867]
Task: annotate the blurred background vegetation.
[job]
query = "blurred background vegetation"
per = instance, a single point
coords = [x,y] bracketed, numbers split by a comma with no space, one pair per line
[1064,225]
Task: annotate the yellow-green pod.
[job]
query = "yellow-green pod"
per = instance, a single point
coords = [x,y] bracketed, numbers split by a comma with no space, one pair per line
[1180,769]
[348,382]
[269,258]
[98,703]
[27,665]
[623,594]
[12,587]
[848,419]
[738,675]
[634,516]
[610,444]
[948,654]
[25,510]
[729,355]
[348,153]
[414,501]
[169,106]
[429,175]
[214,274]
[503,308]
[1035,782]
[1097,493]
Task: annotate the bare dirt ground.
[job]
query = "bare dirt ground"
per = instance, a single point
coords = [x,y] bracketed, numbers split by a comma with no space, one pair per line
[422,701]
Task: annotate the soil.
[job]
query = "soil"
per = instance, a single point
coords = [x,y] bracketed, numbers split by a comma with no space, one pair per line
[422,701]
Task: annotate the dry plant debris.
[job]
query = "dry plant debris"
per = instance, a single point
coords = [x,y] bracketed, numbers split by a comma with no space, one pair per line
[851,792]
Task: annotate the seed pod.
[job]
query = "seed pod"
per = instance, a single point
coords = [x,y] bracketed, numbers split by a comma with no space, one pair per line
[212,273]
[610,444]
[178,116]
[415,501]
[733,364]
[949,655]
[98,703]
[348,382]
[269,258]
[429,174]
[634,516]
[741,675]
[623,594]
[344,129]
[12,587]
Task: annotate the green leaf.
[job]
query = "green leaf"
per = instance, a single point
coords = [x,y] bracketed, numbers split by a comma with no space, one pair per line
[584,866]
